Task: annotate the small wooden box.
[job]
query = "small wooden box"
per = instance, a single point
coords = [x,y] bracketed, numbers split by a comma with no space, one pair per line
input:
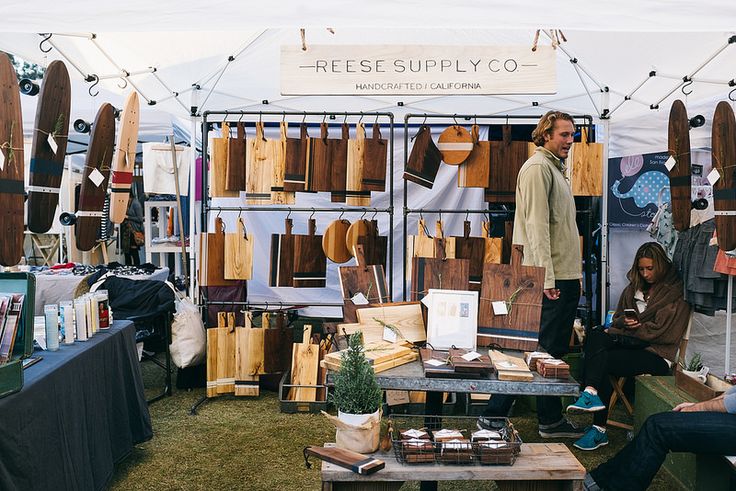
[713,386]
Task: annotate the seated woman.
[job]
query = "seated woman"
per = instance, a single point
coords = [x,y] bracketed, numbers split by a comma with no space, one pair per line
[649,323]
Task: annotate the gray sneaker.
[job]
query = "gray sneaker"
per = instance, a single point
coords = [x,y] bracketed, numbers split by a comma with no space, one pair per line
[563,429]
[589,484]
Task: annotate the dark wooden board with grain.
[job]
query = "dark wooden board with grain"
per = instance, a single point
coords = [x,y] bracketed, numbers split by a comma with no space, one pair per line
[678,146]
[214,267]
[424,160]
[358,463]
[339,158]
[11,172]
[310,263]
[374,163]
[375,246]
[473,249]
[507,157]
[235,173]
[444,274]
[320,164]
[47,164]
[520,285]
[295,165]
[281,272]
[92,196]
[724,190]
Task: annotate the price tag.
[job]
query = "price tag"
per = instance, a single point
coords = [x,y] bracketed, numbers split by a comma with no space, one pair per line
[713,177]
[52,143]
[359,299]
[96,177]
[434,363]
[670,163]
[471,356]
[389,335]
[2,160]
[499,308]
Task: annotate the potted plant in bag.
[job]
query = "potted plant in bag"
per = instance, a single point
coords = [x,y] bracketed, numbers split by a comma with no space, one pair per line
[358,398]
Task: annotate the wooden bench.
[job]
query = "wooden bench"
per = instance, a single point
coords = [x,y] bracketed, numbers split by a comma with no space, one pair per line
[540,466]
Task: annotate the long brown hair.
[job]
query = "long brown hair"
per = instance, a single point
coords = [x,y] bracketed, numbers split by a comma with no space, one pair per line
[662,265]
[547,124]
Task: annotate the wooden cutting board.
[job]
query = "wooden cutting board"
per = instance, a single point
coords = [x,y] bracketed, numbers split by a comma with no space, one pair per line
[407,317]
[424,160]
[455,144]
[448,274]
[212,267]
[249,360]
[236,161]
[522,285]
[678,145]
[444,247]
[334,243]
[278,340]
[474,172]
[225,352]
[370,280]
[47,162]
[320,164]
[510,367]
[422,244]
[359,229]
[473,249]
[282,257]
[260,156]
[375,246]
[212,334]
[295,161]
[356,195]
[310,263]
[724,190]
[494,246]
[96,166]
[278,193]
[585,162]
[507,157]
[124,163]
[374,165]
[358,463]
[339,159]
[375,353]
[304,368]
[218,165]
[239,254]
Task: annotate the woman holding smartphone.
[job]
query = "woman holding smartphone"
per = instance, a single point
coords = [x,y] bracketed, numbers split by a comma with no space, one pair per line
[649,323]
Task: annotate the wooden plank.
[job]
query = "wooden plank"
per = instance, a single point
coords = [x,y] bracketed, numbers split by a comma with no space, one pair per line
[219,152]
[375,352]
[723,158]
[238,252]
[345,458]
[250,348]
[281,272]
[355,195]
[260,155]
[310,263]
[406,317]
[586,165]
[474,172]
[678,146]
[278,193]
[212,344]
[380,367]
[236,162]
[304,368]
[122,168]
[510,367]
[225,360]
[494,246]
[295,161]
[473,249]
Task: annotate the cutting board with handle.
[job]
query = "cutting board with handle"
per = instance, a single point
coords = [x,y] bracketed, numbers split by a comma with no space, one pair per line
[333,241]
[405,316]
[493,251]
[220,151]
[225,352]
[358,230]
[473,249]
[250,349]
[422,244]
[723,156]
[278,193]
[124,164]
[260,156]
[370,280]
[212,258]
[474,172]
[585,162]
[95,177]
[375,245]
[444,247]
[455,144]
[310,263]
[424,160]
[520,288]
[507,157]
[295,161]
[356,195]
[278,341]
[239,253]
[281,272]
[443,274]
[49,147]
[236,161]
[304,369]
[358,463]
[678,146]
[374,164]
[339,158]
[320,164]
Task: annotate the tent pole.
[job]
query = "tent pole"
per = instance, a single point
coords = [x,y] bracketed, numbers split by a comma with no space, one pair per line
[603,271]
[193,204]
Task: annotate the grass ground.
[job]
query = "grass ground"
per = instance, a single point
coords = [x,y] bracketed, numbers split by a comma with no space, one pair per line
[247,443]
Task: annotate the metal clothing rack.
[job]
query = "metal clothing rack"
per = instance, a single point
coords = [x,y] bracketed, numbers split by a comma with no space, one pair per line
[467,118]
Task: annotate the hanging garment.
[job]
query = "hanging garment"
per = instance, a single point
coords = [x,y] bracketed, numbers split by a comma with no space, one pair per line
[158,168]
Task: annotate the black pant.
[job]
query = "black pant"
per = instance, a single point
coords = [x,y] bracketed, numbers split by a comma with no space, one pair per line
[133,258]
[555,328]
[603,357]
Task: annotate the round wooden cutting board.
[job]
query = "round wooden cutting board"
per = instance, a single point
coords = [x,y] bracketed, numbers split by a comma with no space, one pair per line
[333,241]
[455,144]
[360,228]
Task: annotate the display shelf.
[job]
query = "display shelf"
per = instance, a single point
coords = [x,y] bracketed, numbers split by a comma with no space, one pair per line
[162,249]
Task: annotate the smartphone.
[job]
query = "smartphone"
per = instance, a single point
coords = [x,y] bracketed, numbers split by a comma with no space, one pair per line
[631,314]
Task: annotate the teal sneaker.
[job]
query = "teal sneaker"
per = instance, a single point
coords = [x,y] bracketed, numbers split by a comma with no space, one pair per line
[587,403]
[593,438]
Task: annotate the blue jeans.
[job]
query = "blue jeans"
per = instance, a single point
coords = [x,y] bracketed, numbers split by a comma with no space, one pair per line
[635,466]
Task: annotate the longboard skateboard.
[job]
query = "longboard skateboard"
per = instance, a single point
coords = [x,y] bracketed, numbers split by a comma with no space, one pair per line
[49,147]
[11,166]
[96,174]
[724,190]
[679,149]
[122,171]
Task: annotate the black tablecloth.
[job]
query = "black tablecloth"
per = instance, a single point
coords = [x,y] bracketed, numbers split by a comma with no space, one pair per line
[80,411]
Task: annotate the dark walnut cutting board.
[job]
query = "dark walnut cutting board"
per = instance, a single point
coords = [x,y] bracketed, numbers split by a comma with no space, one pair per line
[424,160]
[281,272]
[446,274]
[507,157]
[212,258]
[235,173]
[310,263]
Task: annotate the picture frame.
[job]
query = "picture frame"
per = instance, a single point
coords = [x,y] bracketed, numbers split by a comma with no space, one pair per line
[452,318]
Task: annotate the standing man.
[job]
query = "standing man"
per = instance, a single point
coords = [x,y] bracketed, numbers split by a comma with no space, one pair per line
[544,224]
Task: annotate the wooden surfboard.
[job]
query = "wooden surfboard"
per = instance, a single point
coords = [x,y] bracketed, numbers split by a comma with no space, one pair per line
[333,241]
[94,181]
[680,178]
[455,144]
[122,171]
[282,257]
[11,170]
[724,190]
[310,263]
[49,147]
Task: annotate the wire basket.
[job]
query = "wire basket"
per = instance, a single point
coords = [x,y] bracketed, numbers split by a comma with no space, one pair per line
[455,440]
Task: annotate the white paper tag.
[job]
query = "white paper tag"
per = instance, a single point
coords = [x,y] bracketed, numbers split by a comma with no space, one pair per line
[670,163]
[713,177]
[414,433]
[504,364]
[52,143]
[359,299]
[427,301]
[553,361]
[389,335]
[434,363]
[96,177]
[499,308]
[2,160]
[471,356]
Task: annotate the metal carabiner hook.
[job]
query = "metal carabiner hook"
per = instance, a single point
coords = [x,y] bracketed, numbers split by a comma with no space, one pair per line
[45,40]
[96,80]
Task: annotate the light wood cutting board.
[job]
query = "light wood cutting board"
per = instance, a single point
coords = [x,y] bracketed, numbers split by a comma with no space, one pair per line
[239,254]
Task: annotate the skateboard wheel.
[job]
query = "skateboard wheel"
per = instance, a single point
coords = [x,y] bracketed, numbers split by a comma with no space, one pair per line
[700,204]
[67,219]
[82,126]
[28,87]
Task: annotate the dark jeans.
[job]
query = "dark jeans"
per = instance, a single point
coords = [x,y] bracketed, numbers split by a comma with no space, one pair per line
[133,258]
[603,357]
[555,328]
[634,467]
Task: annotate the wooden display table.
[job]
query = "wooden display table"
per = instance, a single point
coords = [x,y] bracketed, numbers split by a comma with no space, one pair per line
[540,466]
